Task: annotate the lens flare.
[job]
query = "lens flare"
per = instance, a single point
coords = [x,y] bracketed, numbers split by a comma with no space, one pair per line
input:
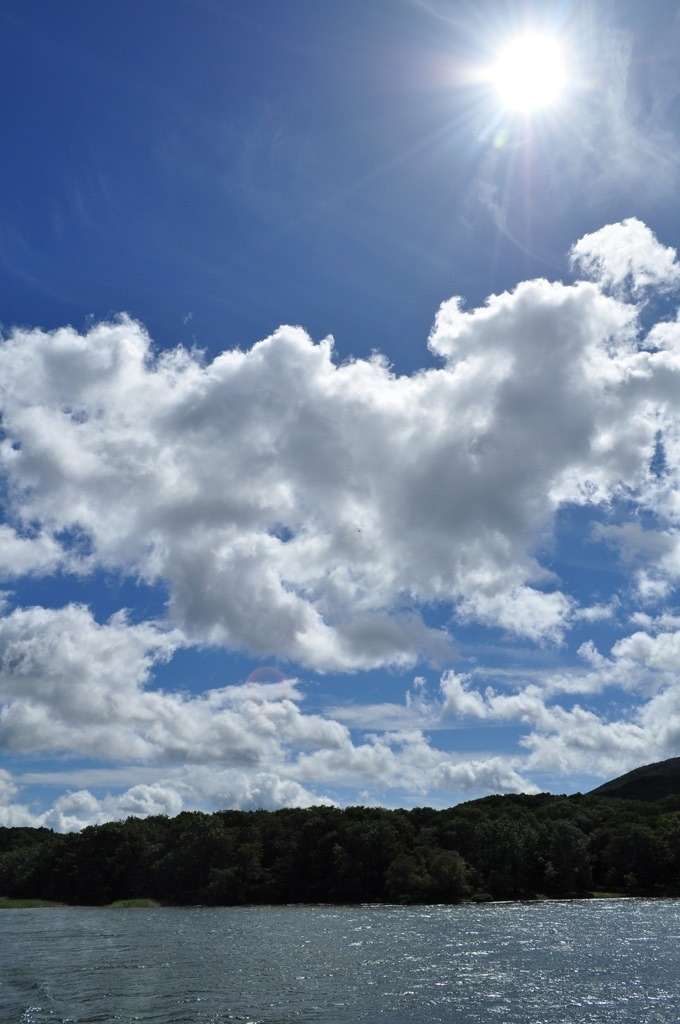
[267,683]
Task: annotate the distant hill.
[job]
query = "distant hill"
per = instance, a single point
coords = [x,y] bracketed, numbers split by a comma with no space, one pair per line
[650,782]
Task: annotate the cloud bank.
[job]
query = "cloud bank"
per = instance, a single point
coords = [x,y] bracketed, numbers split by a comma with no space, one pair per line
[315,511]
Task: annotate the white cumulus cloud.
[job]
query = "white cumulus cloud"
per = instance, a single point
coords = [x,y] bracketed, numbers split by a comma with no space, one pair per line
[293,505]
[297,506]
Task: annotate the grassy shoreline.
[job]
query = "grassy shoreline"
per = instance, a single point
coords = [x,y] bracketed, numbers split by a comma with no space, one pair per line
[10,903]
[142,903]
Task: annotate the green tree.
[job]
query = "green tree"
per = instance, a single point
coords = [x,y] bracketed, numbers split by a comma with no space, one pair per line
[407,879]
[449,874]
[567,866]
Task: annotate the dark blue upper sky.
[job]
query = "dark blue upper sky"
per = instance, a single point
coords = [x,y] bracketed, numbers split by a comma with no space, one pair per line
[252,164]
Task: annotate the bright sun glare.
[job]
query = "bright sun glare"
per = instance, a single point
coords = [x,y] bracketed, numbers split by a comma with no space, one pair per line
[529,73]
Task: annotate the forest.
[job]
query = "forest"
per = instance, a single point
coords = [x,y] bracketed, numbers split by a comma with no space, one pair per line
[499,847]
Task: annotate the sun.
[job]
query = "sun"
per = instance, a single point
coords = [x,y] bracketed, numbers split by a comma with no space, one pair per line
[530,73]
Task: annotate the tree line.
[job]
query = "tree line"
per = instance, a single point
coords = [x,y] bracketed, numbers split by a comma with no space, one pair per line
[499,847]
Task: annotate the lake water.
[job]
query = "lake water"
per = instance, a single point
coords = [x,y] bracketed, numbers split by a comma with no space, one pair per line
[546,963]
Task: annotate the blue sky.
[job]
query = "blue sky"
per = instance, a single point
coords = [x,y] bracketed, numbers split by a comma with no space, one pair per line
[340,404]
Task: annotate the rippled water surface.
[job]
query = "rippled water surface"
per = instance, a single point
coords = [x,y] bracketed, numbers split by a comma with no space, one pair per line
[547,963]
